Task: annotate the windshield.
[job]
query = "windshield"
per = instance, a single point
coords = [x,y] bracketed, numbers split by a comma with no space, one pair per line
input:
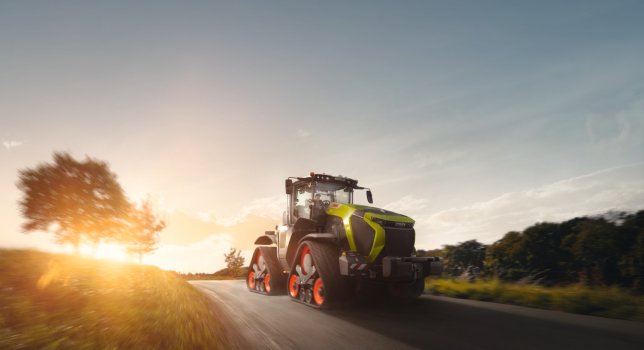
[332,192]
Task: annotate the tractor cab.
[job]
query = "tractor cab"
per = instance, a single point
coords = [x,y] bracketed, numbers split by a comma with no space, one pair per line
[310,197]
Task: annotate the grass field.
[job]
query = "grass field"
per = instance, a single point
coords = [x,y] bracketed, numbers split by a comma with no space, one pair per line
[211,278]
[606,302]
[50,301]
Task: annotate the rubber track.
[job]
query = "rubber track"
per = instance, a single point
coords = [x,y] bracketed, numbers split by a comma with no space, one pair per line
[278,279]
[325,258]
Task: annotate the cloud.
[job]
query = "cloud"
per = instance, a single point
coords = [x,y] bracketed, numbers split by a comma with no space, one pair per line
[303,134]
[625,127]
[620,188]
[408,204]
[197,242]
[185,228]
[437,159]
[206,255]
[11,144]
[267,207]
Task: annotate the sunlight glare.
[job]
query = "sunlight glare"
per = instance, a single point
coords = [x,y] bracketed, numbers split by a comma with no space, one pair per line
[108,251]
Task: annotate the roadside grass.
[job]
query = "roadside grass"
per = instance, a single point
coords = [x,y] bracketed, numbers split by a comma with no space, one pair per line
[209,277]
[606,302]
[52,301]
[213,278]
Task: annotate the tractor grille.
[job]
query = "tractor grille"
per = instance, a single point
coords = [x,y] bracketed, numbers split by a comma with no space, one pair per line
[398,242]
[363,234]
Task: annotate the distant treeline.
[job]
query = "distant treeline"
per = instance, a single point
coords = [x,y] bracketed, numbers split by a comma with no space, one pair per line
[600,250]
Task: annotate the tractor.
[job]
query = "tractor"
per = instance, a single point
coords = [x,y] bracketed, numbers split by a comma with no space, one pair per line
[328,248]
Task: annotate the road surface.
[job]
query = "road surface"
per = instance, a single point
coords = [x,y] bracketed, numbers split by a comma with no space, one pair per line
[275,322]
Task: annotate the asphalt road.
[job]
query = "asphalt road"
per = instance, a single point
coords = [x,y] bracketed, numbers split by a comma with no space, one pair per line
[275,322]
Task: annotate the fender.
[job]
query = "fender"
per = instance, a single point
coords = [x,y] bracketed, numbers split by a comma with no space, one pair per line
[320,237]
[301,228]
[266,240]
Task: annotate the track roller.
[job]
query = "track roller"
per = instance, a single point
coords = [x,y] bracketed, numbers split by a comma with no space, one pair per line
[265,275]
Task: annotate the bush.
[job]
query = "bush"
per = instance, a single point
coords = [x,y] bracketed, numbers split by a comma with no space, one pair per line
[607,302]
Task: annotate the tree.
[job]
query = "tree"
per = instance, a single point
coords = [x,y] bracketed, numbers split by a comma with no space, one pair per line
[142,235]
[431,252]
[631,263]
[463,255]
[597,251]
[75,200]
[604,249]
[505,257]
[234,261]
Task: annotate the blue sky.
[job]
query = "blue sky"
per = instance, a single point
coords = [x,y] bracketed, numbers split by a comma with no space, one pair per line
[474,117]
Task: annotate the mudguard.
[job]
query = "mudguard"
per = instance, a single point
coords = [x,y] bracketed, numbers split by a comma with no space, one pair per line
[266,240]
[319,237]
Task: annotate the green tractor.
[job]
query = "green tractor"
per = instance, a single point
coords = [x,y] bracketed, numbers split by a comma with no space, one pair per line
[328,247]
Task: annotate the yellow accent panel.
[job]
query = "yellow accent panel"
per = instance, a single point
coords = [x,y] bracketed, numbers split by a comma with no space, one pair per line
[378,238]
[344,212]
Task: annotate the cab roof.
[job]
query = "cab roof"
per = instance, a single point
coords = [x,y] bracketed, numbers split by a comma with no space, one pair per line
[341,180]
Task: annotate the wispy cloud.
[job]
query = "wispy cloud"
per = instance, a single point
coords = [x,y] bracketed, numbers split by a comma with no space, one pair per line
[424,159]
[188,229]
[206,255]
[619,129]
[408,204]
[11,144]
[301,133]
[267,207]
[620,188]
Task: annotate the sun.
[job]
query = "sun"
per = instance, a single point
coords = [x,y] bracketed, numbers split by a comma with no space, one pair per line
[108,251]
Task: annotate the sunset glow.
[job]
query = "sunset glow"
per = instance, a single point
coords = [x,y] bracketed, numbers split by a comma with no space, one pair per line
[107,251]
[474,119]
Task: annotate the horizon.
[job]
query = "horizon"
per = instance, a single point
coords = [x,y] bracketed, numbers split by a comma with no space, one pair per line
[474,120]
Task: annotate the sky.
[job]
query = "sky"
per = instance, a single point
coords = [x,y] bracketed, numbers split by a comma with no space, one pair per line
[474,118]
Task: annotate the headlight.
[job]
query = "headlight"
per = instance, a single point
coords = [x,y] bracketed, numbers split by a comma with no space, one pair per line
[378,221]
[393,224]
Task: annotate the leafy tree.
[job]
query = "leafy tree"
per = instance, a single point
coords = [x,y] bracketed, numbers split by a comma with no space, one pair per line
[505,258]
[234,261]
[596,249]
[631,262]
[459,257]
[431,252]
[545,259]
[605,249]
[142,235]
[75,200]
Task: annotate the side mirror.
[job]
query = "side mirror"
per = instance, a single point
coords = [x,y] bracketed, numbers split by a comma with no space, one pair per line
[369,196]
[289,186]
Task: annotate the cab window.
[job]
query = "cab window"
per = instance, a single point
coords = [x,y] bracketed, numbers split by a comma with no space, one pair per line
[302,201]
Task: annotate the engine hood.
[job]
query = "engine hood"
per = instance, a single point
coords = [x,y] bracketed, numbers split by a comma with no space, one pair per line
[344,210]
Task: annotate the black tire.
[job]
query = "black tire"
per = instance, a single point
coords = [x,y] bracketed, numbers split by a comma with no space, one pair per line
[325,259]
[277,283]
[272,282]
[251,282]
[418,288]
